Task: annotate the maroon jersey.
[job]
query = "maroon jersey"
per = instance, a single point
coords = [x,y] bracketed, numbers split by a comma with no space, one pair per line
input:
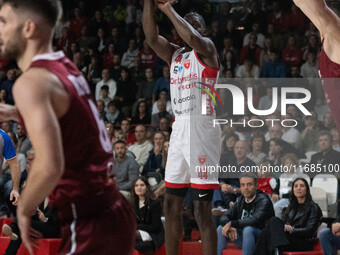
[330,75]
[87,148]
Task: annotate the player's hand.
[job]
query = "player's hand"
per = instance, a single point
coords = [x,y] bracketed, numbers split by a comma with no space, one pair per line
[14,195]
[163,6]
[8,112]
[28,234]
[226,229]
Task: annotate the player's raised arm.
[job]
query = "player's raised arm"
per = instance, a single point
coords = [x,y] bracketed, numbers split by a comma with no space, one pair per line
[327,22]
[192,34]
[158,43]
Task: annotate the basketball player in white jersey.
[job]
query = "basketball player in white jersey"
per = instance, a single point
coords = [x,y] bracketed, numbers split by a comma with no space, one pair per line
[194,141]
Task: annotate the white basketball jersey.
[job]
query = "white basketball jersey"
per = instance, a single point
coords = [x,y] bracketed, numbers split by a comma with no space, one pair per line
[190,81]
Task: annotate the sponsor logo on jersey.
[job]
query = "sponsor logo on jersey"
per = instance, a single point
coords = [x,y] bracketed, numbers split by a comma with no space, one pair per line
[177,69]
[186,110]
[184,99]
[187,63]
[202,159]
[178,59]
[180,80]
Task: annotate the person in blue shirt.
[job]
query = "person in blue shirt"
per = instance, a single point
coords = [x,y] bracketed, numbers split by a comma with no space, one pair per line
[9,189]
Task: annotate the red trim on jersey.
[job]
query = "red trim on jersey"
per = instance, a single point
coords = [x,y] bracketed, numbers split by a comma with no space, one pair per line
[205,186]
[177,185]
[206,66]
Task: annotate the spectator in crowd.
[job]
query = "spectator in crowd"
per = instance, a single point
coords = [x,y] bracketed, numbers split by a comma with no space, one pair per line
[3,97]
[162,83]
[330,238]
[150,231]
[165,126]
[130,55]
[142,147]
[266,102]
[111,132]
[147,57]
[275,151]
[128,133]
[145,88]
[113,115]
[108,56]
[290,162]
[292,55]
[310,69]
[92,72]
[275,36]
[313,44]
[96,23]
[154,161]
[251,51]
[256,153]
[265,53]
[99,41]
[327,155]
[248,70]
[78,60]
[116,68]
[106,80]
[290,134]
[142,115]
[77,22]
[137,71]
[232,32]
[8,85]
[244,222]
[335,135]
[228,60]
[84,41]
[254,14]
[327,122]
[125,169]
[309,136]
[104,95]
[273,68]
[163,95]
[278,18]
[298,228]
[24,143]
[101,109]
[162,112]
[260,36]
[10,192]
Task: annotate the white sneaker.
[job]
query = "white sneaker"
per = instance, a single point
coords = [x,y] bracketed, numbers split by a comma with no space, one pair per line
[7,230]
[218,211]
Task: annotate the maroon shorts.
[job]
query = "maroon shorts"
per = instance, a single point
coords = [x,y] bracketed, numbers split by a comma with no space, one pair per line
[102,225]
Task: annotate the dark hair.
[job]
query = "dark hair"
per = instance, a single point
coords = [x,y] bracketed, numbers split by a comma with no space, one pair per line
[255,136]
[118,142]
[195,14]
[134,199]
[13,136]
[293,202]
[326,133]
[50,10]
[249,175]
[277,141]
[105,87]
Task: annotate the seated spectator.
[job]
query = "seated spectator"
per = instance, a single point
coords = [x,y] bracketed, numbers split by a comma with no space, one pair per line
[335,135]
[125,169]
[101,109]
[129,134]
[162,112]
[163,95]
[142,114]
[24,143]
[309,136]
[260,37]
[326,156]
[113,115]
[130,55]
[298,228]
[154,161]
[327,122]
[116,68]
[164,125]
[110,131]
[106,81]
[292,55]
[8,85]
[45,221]
[244,222]
[3,97]
[145,88]
[162,83]
[104,95]
[266,101]
[256,153]
[248,70]
[251,51]
[284,183]
[137,71]
[150,231]
[330,238]
[9,189]
[147,56]
[275,151]
[108,56]
[142,147]
[290,134]
[230,185]
[229,61]
[273,68]
[265,53]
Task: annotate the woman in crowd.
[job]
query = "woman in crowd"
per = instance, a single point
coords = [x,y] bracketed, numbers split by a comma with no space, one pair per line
[298,228]
[150,231]
[142,114]
[275,151]
[256,153]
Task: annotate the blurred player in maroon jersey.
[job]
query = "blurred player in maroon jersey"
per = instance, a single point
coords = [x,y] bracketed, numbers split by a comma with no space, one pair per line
[73,151]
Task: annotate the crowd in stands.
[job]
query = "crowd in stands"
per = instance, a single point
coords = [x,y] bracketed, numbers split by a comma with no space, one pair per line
[131,85]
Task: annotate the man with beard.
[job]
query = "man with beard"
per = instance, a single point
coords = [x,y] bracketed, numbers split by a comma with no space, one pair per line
[54,104]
